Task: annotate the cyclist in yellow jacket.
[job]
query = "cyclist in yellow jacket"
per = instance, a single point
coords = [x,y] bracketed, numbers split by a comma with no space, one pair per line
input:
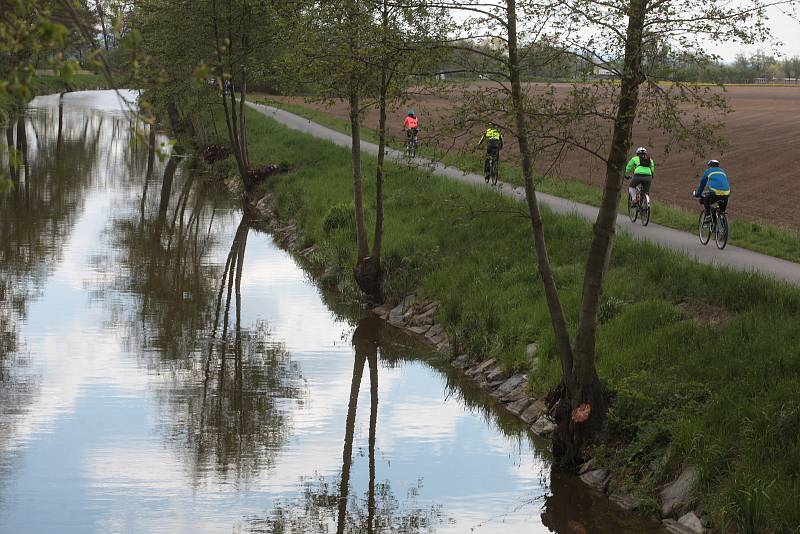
[494,143]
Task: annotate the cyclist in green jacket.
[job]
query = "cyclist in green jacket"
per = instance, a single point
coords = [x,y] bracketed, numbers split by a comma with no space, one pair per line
[643,167]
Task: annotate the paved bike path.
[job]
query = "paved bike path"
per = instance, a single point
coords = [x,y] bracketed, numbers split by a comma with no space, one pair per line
[687,243]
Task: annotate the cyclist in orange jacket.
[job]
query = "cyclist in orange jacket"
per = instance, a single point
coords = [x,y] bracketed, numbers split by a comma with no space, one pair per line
[411,124]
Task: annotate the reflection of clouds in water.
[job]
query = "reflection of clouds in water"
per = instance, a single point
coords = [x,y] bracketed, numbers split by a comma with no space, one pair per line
[69,358]
[274,287]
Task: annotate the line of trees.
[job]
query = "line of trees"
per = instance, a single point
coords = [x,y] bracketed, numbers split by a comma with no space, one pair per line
[197,59]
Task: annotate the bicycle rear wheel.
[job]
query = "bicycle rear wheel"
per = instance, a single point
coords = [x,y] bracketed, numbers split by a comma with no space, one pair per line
[414,147]
[704,228]
[721,231]
[495,171]
[645,214]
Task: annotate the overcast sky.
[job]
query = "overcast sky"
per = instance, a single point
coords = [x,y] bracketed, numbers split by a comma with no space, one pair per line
[784,28]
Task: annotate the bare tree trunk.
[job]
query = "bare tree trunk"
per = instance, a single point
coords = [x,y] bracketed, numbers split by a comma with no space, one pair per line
[557,318]
[582,387]
[355,152]
[230,112]
[102,16]
[242,121]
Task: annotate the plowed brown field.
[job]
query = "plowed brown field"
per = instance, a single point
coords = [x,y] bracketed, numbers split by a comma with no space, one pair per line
[762,158]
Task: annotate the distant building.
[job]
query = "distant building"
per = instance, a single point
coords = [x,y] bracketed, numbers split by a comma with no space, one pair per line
[602,73]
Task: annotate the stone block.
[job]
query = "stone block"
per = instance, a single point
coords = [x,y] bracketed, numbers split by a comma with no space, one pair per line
[435,331]
[382,310]
[461,361]
[432,305]
[534,411]
[692,522]
[543,426]
[486,364]
[509,385]
[625,500]
[517,407]
[518,393]
[495,374]
[673,527]
[596,478]
[675,495]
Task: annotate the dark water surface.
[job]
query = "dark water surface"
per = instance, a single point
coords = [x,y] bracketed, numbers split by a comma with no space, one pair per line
[165,368]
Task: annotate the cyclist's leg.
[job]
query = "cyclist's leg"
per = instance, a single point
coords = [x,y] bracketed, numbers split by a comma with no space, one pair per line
[635,181]
[647,181]
[707,200]
[492,149]
[723,203]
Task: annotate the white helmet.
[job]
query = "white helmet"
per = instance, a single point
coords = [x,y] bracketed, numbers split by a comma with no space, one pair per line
[641,150]
[713,163]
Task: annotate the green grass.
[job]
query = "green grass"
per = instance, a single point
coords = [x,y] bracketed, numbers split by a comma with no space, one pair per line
[722,397]
[759,237]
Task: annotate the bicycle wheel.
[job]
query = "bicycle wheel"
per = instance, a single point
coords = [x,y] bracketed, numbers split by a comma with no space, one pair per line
[704,228]
[633,209]
[721,233]
[645,213]
[413,147]
[495,171]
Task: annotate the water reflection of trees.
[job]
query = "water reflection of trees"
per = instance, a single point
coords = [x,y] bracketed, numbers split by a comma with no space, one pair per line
[54,163]
[238,415]
[326,505]
[39,213]
[227,389]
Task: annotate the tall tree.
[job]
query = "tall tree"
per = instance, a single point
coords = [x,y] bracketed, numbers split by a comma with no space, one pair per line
[616,36]
[365,51]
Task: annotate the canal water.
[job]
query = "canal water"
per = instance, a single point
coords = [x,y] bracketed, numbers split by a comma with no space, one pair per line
[166,368]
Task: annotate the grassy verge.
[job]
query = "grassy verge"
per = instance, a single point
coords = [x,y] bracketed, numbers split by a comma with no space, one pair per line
[704,363]
[759,237]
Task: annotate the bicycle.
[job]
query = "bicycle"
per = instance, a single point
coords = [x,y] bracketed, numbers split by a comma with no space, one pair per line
[639,206]
[492,164]
[716,223]
[411,144]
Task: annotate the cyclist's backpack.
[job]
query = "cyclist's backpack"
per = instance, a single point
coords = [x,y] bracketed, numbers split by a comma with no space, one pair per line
[644,160]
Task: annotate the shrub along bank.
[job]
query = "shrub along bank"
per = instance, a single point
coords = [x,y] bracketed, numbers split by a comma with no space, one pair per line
[703,363]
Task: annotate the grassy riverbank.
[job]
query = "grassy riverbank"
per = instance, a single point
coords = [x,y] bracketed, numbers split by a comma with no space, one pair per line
[760,237]
[704,362]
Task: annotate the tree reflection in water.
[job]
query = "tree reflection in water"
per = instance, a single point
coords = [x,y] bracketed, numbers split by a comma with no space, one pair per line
[326,506]
[38,215]
[248,384]
[227,390]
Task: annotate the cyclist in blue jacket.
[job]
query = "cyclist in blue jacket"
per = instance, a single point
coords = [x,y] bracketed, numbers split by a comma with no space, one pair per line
[715,180]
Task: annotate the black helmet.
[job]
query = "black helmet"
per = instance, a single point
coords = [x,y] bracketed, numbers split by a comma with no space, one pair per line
[713,163]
